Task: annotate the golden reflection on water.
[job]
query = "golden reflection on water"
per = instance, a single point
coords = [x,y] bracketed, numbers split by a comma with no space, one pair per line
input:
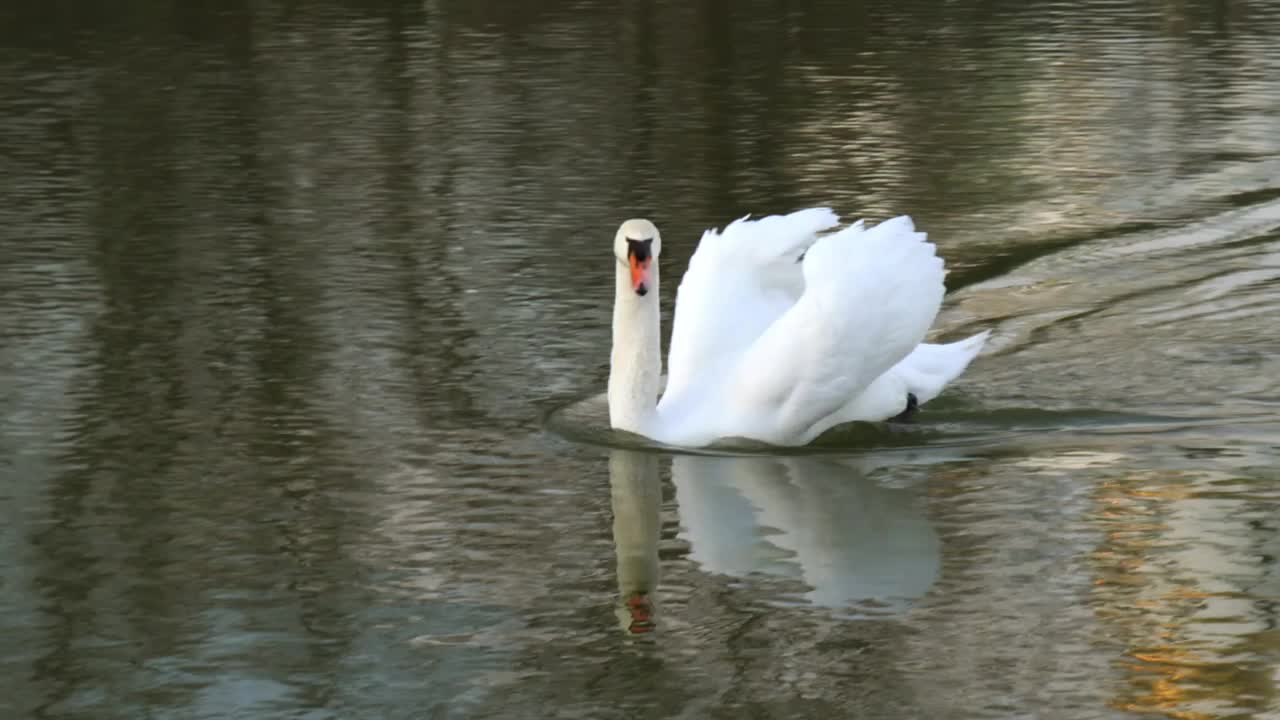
[1194,638]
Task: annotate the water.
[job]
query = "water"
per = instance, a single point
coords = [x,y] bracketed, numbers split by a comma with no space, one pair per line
[292,296]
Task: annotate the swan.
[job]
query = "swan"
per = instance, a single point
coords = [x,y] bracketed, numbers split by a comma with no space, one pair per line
[780,332]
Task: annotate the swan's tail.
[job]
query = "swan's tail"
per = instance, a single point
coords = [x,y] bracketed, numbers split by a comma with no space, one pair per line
[929,368]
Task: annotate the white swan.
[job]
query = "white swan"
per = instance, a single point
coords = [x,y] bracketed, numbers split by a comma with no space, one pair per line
[779,334]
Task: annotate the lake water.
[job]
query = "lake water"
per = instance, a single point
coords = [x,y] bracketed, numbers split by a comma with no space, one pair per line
[292,296]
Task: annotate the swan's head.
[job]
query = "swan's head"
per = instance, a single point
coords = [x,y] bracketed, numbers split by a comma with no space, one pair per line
[637,245]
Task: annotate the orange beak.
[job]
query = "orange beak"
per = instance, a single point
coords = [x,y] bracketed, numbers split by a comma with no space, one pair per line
[640,281]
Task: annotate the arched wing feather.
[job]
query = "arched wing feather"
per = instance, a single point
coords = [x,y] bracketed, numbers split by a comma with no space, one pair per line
[739,282]
[869,299]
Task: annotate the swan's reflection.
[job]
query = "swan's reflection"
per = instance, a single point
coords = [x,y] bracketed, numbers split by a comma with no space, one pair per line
[821,520]
[848,538]
[637,522]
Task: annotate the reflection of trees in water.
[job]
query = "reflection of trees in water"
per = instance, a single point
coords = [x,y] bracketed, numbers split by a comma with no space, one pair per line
[190,419]
[109,510]
[1136,590]
[1177,587]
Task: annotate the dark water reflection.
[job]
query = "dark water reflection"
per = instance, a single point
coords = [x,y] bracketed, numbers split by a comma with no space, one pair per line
[287,290]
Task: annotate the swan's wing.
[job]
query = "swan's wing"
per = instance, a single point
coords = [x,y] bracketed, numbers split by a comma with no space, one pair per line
[923,373]
[738,283]
[869,299]
[929,368]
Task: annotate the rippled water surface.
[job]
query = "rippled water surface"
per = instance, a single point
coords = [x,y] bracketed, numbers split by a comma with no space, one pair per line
[293,297]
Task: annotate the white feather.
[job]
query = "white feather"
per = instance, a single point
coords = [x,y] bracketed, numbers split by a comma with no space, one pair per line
[738,283]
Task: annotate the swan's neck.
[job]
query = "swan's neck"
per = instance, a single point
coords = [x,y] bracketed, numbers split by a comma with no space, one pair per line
[636,362]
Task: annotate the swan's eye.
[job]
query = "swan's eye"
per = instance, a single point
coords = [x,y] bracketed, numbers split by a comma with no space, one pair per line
[641,250]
